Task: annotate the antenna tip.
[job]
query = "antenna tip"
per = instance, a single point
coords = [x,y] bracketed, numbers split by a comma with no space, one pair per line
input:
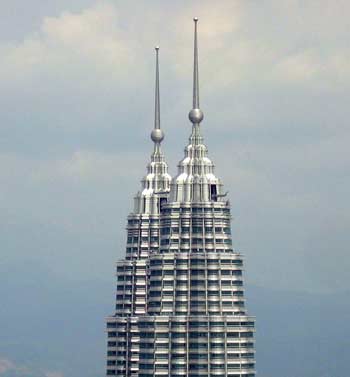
[195,19]
[156,48]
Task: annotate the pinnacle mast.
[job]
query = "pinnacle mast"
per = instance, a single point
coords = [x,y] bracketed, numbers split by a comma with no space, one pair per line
[157,105]
[195,68]
[157,134]
[196,115]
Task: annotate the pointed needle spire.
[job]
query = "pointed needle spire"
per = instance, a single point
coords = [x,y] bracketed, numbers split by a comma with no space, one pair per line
[157,107]
[157,134]
[196,114]
[195,68]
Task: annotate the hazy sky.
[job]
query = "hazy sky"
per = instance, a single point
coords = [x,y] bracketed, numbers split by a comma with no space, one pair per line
[76,94]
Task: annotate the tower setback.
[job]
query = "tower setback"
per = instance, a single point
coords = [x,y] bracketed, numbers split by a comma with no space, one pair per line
[180,308]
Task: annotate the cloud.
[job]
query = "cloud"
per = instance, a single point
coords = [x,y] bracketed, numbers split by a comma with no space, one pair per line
[85,165]
[65,46]
[7,366]
[77,96]
[62,183]
[53,374]
[81,167]
[94,44]
[283,42]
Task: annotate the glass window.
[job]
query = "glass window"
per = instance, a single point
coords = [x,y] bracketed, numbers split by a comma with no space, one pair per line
[233,334]
[249,324]
[212,261]
[247,334]
[181,261]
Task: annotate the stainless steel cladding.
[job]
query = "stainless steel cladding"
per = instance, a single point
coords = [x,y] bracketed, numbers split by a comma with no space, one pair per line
[180,307]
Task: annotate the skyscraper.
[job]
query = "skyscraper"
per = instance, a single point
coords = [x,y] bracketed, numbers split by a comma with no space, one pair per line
[180,307]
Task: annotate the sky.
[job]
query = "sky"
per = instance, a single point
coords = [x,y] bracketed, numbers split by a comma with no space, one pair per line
[76,94]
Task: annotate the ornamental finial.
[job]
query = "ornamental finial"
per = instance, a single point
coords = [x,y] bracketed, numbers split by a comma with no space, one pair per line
[196,114]
[157,134]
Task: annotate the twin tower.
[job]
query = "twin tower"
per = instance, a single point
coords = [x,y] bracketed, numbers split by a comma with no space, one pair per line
[180,308]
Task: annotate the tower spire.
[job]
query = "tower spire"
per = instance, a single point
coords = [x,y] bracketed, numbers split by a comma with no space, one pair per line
[195,68]
[196,114]
[157,134]
[157,107]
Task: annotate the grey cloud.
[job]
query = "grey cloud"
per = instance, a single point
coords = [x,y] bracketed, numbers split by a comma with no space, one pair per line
[77,94]
[9,369]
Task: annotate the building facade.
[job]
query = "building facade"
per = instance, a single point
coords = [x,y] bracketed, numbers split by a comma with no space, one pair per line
[180,308]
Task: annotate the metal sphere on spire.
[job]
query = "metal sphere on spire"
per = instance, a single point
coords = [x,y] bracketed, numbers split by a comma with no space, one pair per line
[196,115]
[157,135]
